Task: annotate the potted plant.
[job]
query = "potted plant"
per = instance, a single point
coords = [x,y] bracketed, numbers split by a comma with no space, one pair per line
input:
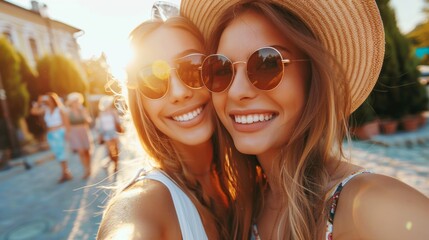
[364,122]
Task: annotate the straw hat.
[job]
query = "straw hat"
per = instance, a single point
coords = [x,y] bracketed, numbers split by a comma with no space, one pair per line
[75,96]
[351,30]
[105,102]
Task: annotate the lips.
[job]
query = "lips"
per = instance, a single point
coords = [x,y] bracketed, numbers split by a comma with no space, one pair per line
[189,115]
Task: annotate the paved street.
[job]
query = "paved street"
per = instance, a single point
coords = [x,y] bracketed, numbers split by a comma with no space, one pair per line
[34,206]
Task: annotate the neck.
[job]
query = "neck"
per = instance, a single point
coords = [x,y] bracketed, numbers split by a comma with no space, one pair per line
[267,161]
[197,158]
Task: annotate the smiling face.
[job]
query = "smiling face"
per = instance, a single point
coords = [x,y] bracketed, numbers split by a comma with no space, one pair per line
[183,114]
[260,122]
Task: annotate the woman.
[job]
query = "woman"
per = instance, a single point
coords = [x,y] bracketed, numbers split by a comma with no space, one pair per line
[188,194]
[80,137]
[106,123]
[285,78]
[52,109]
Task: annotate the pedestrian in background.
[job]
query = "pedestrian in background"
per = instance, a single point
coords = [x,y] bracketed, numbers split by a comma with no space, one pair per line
[106,126]
[80,137]
[55,116]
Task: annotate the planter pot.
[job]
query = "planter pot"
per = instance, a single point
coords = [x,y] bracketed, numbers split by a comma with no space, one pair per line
[367,130]
[423,119]
[388,126]
[411,123]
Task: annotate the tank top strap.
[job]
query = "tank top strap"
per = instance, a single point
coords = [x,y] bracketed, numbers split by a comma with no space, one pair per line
[333,201]
[190,221]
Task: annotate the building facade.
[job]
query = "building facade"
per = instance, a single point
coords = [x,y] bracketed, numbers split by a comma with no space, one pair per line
[34,34]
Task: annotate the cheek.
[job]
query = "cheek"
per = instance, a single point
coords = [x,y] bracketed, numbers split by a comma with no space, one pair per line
[152,110]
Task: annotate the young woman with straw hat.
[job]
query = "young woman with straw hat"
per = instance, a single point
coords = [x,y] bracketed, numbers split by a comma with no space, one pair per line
[284,79]
[80,137]
[188,192]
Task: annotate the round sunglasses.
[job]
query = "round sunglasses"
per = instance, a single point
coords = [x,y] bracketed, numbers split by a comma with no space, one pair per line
[264,70]
[153,80]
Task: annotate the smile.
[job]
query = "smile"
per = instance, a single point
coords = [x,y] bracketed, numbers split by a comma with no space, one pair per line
[252,118]
[188,116]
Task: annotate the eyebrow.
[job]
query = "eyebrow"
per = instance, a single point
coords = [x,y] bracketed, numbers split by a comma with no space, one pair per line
[282,48]
[186,52]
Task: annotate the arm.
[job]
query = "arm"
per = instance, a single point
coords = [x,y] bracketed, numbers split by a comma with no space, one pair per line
[143,211]
[380,207]
[86,115]
[66,122]
[37,109]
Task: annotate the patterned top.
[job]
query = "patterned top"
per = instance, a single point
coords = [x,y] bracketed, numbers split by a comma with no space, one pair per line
[333,202]
[334,196]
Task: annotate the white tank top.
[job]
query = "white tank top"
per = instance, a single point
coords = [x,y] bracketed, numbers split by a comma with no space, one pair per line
[107,121]
[53,119]
[190,222]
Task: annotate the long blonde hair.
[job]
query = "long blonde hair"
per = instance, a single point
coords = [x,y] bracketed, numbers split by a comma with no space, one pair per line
[160,148]
[317,139]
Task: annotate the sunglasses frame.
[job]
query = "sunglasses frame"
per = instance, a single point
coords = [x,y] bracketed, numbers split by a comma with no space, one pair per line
[283,60]
[177,73]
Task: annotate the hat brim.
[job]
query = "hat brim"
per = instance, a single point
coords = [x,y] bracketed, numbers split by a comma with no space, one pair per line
[351,30]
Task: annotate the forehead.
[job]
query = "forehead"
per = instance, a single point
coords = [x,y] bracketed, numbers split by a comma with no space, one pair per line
[256,27]
[167,43]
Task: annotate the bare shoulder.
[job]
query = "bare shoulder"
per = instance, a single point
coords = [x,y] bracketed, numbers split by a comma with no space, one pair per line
[143,211]
[374,206]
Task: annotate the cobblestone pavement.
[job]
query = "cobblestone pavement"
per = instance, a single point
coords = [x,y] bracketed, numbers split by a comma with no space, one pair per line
[404,155]
[34,206]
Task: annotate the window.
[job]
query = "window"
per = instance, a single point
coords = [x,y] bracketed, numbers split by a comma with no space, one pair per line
[34,50]
[8,36]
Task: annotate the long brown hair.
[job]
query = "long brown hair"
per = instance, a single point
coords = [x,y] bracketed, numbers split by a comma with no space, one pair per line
[165,156]
[317,139]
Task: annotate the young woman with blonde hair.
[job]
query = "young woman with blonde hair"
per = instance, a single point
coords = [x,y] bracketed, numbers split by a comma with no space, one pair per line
[284,79]
[80,137]
[190,192]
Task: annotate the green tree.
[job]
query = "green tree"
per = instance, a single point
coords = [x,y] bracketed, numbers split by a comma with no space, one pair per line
[420,34]
[399,74]
[28,77]
[397,92]
[60,75]
[99,77]
[16,90]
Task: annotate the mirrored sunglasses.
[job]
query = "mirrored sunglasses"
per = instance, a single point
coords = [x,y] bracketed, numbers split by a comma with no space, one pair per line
[153,81]
[264,69]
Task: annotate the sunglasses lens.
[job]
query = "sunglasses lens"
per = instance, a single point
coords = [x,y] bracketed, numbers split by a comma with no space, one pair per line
[188,70]
[265,68]
[217,72]
[153,80]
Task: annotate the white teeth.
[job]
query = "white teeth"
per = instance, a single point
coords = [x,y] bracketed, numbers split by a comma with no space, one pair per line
[252,118]
[188,116]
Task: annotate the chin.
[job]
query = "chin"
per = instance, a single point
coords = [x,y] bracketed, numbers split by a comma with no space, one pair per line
[252,148]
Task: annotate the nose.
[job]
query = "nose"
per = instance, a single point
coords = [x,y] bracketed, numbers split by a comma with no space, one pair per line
[241,88]
[178,90]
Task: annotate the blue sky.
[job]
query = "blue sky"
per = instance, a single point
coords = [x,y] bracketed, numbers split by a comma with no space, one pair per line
[107,23]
